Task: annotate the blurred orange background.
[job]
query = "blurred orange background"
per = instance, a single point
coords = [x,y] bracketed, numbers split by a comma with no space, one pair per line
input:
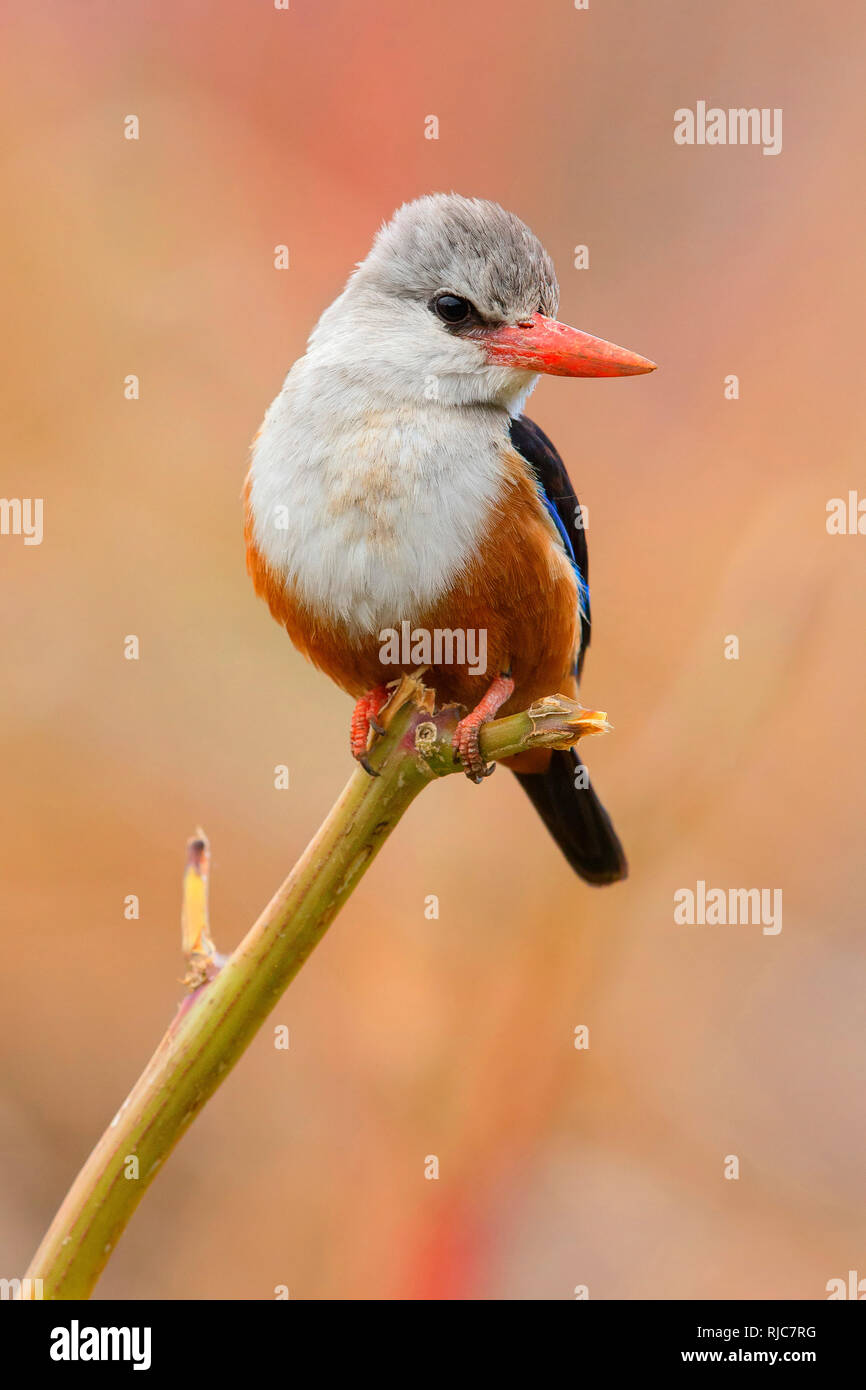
[558,1167]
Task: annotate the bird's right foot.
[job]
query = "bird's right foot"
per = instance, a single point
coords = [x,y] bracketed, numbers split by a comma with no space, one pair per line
[466,742]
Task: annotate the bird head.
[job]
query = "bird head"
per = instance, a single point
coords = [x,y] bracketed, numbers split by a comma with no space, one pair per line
[456,303]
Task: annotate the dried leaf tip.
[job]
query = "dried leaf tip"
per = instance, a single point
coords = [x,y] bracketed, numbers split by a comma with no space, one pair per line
[201,953]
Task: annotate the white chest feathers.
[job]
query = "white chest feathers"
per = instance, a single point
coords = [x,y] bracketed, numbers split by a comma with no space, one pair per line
[370,513]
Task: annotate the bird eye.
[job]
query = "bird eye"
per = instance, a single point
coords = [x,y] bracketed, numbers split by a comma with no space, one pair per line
[451,308]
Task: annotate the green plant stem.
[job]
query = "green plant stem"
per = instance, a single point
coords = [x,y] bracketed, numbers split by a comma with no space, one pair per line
[218,1021]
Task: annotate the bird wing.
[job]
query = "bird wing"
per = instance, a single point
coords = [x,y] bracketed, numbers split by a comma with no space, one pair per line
[560,502]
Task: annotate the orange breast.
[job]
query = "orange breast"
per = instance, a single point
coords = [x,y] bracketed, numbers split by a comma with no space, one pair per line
[518,587]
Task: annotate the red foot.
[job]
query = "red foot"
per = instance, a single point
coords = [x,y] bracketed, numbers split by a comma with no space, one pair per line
[465,742]
[363,720]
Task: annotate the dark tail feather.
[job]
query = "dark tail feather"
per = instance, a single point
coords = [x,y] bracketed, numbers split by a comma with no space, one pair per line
[576,819]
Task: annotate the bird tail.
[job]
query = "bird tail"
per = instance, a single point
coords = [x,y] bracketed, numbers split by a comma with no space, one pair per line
[576,818]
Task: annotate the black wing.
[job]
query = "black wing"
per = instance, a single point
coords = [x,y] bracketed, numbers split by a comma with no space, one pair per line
[561,501]
[568,806]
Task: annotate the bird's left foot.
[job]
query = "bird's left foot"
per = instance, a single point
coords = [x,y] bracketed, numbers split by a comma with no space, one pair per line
[467,734]
[364,718]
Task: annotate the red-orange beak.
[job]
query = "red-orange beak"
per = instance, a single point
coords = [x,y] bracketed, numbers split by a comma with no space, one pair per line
[540,344]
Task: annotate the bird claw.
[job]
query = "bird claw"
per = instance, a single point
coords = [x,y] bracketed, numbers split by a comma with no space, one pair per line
[468,752]
[480,776]
[363,720]
[465,743]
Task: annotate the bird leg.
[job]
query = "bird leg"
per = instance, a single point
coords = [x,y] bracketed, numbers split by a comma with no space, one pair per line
[466,735]
[363,720]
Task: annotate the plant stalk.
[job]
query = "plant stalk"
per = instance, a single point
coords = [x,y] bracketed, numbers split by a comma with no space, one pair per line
[219,1019]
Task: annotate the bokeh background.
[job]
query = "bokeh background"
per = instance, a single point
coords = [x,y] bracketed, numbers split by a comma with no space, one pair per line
[410,1036]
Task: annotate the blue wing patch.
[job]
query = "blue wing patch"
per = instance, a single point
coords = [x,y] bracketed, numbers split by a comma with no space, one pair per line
[558,497]
[582,586]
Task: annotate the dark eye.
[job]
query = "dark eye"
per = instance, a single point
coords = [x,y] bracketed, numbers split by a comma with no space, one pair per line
[452,309]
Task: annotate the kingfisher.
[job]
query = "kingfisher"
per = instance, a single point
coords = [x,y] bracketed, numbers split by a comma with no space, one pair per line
[396,480]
